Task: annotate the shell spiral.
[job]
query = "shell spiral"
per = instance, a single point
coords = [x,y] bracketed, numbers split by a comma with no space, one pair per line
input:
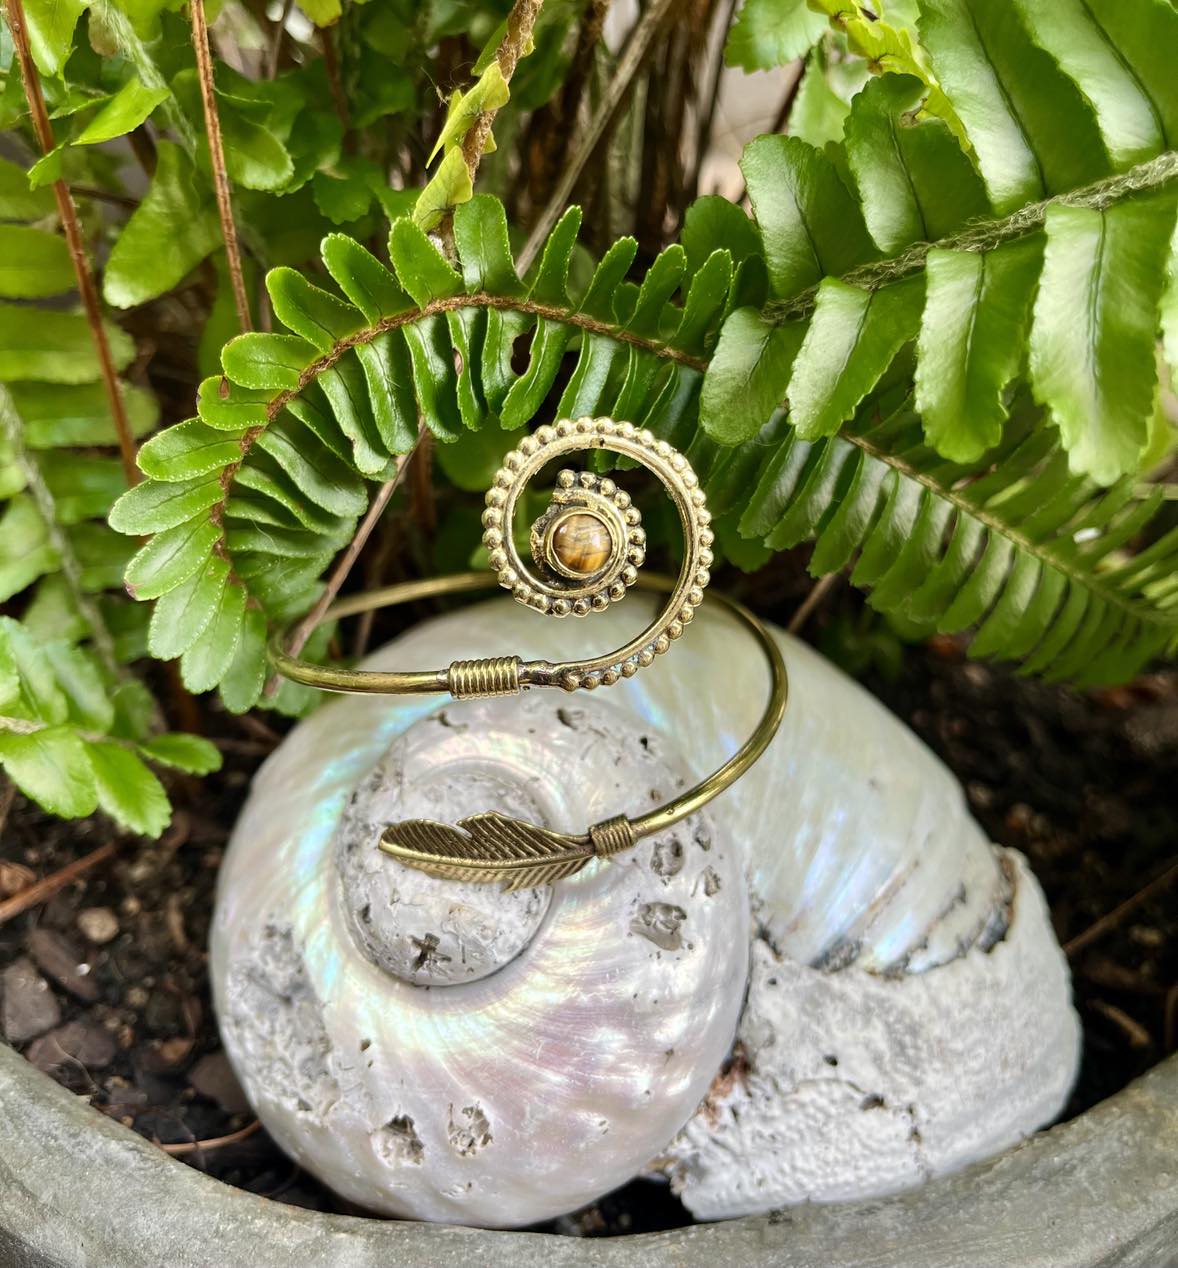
[898,1002]
[450,1051]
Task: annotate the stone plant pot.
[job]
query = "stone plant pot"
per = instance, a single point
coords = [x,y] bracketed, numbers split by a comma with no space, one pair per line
[76,1188]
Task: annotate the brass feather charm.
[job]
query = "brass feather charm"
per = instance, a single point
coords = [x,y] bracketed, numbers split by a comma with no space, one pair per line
[488,848]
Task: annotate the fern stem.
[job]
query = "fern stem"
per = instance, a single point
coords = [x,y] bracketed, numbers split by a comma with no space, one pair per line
[818,591]
[514,45]
[335,83]
[71,569]
[351,552]
[68,214]
[1154,173]
[453,303]
[632,59]
[520,23]
[204,68]
[1088,580]
[274,48]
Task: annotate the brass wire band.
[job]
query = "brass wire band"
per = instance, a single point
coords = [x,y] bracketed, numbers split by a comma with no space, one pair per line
[437,681]
[612,837]
[481,679]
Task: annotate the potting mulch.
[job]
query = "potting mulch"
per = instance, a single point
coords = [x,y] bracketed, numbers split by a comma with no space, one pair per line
[104,985]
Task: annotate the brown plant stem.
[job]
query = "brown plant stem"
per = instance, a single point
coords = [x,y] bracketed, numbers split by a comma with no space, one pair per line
[550,128]
[44,889]
[818,591]
[339,99]
[707,101]
[68,214]
[518,34]
[193,1146]
[204,69]
[636,49]
[520,22]
[1113,918]
[274,51]
[351,552]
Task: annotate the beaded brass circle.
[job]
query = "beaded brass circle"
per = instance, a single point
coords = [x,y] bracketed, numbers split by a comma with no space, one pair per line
[591,509]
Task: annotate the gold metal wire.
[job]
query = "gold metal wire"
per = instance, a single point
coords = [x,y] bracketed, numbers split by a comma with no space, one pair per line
[439,681]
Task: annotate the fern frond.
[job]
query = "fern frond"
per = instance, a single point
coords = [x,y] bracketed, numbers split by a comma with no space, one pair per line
[995,226]
[1016,545]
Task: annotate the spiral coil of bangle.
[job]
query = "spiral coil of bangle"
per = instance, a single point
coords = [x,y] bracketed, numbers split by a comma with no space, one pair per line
[588,548]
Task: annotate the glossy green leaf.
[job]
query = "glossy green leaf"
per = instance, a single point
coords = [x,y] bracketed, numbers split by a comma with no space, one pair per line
[171,557]
[1144,34]
[187,451]
[480,234]
[82,683]
[254,156]
[246,675]
[55,348]
[363,279]
[153,505]
[1092,337]
[17,200]
[127,790]
[747,378]
[123,113]
[181,615]
[489,92]
[82,485]
[189,753]
[52,768]
[809,223]
[915,183]
[714,224]
[1124,114]
[770,33]
[421,269]
[972,340]
[267,361]
[25,549]
[449,186]
[819,114]
[51,26]
[1028,126]
[33,263]
[167,236]
[852,338]
[306,310]
[57,416]
[205,663]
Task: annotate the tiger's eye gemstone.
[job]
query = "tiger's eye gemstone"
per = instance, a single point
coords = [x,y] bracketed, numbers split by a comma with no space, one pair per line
[582,544]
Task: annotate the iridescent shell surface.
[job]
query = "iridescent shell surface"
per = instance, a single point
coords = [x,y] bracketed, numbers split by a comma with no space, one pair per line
[450,1052]
[888,935]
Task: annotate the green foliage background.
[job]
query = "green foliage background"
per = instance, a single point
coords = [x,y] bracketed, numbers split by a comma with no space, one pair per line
[936,348]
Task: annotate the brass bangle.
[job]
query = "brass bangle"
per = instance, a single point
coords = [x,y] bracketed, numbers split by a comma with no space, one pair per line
[490,847]
[588,548]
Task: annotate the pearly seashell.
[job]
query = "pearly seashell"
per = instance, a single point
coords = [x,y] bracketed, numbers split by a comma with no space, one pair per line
[907,1008]
[449,1051]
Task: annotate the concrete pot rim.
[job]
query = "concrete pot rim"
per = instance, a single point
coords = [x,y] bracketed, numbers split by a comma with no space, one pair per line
[1099,1190]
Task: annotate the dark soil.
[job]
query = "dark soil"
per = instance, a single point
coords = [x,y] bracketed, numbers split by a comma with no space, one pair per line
[1083,783]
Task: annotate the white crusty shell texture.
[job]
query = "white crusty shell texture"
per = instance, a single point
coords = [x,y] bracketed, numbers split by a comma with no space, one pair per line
[890,937]
[853,1084]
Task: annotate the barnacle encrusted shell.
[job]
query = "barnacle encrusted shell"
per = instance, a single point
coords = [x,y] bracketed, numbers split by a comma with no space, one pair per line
[908,1009]
[452,1052]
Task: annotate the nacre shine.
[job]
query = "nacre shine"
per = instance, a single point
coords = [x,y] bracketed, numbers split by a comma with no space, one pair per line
[450,1052]
[541,1051]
